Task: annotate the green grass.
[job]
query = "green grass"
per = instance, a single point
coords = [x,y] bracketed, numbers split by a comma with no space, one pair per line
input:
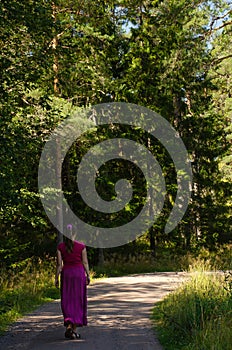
[121,264]
[198,315]
[22,291]
[181,319]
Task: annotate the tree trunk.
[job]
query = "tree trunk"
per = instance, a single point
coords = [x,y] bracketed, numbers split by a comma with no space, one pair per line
[101,258]
[152,241]
[151,209]
[59,208]
[55,58]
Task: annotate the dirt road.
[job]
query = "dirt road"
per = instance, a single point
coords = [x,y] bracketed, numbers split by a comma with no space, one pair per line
[118,314]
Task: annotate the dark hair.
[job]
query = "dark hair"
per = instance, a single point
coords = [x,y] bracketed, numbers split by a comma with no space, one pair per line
[68,244]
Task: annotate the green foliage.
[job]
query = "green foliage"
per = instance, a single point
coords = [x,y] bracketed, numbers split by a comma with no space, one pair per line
[220,258]
[25,230]
[24,287]
[122,265]
[168,56]
[222,100]
[198,314]
[167,68]
[137,257]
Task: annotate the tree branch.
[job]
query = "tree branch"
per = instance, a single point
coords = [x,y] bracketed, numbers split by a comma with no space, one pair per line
[219,17]
[219,59]
[222,26]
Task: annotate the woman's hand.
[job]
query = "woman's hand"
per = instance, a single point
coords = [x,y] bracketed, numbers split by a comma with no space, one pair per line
[58,268]
[87,280]
[57,283]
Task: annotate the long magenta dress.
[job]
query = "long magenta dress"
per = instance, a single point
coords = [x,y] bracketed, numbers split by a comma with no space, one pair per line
[73,285]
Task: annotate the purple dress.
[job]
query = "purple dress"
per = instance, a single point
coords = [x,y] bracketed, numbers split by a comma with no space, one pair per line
[73,286]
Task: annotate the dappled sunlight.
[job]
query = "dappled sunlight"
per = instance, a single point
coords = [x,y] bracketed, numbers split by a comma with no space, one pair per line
[119,311]
[127,302]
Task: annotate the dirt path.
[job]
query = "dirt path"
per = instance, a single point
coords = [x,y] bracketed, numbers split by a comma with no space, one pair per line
[118,316]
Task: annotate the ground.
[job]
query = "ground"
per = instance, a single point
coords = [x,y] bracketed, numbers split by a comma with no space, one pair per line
[119,311]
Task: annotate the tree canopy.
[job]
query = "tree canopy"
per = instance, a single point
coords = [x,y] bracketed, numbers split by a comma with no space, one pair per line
[171,56]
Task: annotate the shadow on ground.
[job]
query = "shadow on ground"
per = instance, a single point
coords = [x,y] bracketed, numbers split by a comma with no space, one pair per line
[119,312]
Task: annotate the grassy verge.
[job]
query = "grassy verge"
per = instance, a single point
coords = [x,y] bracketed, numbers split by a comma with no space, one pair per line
[23,290]
[198,316]
[165,260]
[122,266]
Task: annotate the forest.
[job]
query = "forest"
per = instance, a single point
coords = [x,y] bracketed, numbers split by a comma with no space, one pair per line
[61,57]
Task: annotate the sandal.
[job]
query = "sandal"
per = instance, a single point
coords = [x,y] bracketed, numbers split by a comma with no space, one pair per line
[77,335]
[69,333]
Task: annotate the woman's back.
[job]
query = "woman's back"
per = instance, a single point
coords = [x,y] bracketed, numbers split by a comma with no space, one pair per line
[73,258]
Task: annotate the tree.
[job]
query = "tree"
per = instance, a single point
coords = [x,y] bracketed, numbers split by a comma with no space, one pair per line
[167,68]
[170,56]
[51,49]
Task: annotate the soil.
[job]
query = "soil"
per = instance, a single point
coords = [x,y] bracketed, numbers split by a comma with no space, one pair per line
[119,311]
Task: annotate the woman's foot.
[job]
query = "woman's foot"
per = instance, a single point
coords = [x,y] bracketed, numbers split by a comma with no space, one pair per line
[76,335]
[69,332]
[74,327]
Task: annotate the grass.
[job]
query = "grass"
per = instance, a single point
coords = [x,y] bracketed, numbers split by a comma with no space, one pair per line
[23,290]
[218,259]
[121,264]
[124,265]
[198,315]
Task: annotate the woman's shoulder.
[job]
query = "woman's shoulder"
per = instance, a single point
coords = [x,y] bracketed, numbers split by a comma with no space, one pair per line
[79,244]
[60,245]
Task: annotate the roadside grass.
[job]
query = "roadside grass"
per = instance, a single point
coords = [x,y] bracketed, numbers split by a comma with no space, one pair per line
[166,260]
[198,315]
[23,290]
[119,265]
[25,287]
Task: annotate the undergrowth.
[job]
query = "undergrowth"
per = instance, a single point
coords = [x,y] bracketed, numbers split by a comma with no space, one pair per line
[117,264]
[22,290]
[198,315]
[183,314]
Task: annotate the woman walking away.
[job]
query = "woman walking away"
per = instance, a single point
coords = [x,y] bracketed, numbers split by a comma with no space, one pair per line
[72,265]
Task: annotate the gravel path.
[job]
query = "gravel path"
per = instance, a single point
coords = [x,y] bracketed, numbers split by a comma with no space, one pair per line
[119,312]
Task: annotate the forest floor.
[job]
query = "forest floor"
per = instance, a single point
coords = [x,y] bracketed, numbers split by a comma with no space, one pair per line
[119,310]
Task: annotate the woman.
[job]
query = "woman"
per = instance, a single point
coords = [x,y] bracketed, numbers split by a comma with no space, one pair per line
[72,264]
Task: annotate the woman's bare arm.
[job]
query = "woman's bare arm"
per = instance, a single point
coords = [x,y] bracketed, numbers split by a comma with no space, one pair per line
[58,267]
[86,264]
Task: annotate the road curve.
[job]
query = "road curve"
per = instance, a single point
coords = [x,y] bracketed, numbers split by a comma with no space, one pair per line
[119,310]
